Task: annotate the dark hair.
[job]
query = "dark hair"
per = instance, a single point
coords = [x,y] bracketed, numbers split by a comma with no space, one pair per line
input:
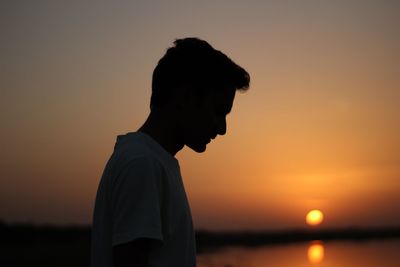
[195,63]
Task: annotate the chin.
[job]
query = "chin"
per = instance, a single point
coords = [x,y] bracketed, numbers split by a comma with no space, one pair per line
[199,148]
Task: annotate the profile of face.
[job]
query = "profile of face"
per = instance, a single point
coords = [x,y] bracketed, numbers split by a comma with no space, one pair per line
[202,122]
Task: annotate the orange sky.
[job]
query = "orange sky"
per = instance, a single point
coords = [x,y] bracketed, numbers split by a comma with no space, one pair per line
[319,127]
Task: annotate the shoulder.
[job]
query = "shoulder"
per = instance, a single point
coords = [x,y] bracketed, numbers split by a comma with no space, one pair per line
[136,155]
[143,164]
[139,167]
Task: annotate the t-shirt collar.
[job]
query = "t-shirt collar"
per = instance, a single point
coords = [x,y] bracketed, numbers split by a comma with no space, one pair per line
[156,147]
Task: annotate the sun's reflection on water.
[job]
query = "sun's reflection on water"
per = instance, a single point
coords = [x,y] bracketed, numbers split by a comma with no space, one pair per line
[383,253]
[316,252]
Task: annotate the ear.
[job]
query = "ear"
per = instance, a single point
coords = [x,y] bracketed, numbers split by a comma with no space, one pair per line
[184,97]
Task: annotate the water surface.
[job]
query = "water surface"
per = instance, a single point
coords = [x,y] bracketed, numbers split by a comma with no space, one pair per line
[382,253]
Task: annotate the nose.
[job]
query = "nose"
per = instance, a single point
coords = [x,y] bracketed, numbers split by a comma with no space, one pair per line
[222,126]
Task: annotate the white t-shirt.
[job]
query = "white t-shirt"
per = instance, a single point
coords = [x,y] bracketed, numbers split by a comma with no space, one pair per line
[141,195]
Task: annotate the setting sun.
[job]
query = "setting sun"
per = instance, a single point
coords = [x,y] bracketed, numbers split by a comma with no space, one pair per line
[314,217]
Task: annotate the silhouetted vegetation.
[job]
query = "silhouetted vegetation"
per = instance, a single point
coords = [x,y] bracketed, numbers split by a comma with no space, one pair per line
[32,245]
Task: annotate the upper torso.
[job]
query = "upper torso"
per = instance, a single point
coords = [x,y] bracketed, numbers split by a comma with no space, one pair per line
[141,194]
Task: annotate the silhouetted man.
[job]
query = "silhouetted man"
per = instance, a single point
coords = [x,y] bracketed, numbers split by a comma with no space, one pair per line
[142,216]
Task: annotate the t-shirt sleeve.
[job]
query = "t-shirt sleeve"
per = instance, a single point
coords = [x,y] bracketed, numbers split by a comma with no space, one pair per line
[136,202]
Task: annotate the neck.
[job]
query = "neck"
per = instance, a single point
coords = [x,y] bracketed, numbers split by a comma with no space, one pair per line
[162,127]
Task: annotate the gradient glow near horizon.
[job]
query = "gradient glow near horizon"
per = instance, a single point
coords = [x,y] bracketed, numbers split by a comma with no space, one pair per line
[318,129]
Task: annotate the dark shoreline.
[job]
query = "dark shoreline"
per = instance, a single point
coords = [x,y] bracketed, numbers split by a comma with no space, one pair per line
[30,233]
[208,240]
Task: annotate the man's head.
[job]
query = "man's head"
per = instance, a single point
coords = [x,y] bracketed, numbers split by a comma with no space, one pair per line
[200,82]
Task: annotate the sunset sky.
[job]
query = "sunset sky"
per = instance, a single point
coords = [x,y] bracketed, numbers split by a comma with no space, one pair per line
[318,129]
